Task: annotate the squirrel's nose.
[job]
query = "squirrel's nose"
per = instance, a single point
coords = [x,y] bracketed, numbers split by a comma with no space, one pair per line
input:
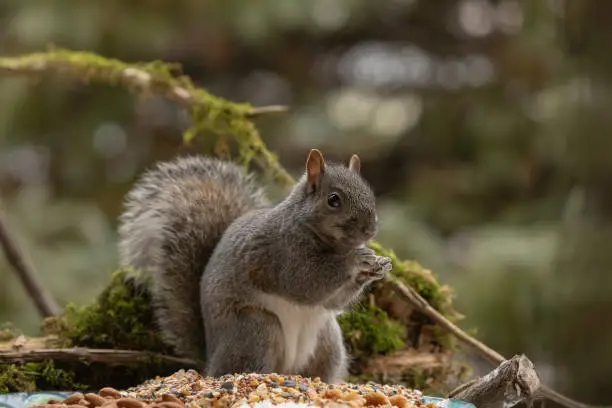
[369,230]
[370,227]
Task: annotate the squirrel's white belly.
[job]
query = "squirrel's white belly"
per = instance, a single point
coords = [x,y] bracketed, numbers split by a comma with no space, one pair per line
[301,326]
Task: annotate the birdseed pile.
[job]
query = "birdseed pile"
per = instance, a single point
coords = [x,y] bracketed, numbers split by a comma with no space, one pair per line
[187,389]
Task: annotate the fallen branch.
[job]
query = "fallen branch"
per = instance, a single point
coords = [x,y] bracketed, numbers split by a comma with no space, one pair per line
[45,303]
[410,295]
[512,382]
[105,356]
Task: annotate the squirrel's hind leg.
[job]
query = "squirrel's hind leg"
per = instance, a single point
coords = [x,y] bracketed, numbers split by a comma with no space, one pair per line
[330,360]
[250,341]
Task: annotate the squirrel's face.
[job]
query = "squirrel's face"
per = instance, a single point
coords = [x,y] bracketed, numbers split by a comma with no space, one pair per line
[340,205]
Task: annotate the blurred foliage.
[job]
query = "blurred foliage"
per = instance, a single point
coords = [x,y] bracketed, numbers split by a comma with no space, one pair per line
[482,126]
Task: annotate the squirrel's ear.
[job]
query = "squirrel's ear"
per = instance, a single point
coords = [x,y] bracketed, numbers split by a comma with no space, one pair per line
[355,163]
[315,167]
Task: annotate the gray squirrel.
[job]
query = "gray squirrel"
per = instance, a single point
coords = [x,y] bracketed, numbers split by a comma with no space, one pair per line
[246,286]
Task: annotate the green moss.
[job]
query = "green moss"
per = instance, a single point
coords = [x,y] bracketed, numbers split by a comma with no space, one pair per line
[15,379]
[57,378]
[30,377]
[368,331]
[61,376]
[120,318]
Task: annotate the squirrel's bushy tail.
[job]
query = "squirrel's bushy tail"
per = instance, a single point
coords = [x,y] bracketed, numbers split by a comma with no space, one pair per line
[174,217]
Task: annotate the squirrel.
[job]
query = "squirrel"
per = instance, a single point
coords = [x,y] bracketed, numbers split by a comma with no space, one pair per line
[243,285]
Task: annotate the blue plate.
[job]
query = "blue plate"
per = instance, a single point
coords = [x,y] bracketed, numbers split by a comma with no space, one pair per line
[24,400]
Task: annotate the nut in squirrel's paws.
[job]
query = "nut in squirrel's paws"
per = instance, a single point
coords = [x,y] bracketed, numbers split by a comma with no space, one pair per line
[371,267]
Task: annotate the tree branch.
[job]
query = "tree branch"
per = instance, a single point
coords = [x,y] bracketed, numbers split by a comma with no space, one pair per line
[45,303]
[410,295]
[220,115]
[105,356]
[142,80]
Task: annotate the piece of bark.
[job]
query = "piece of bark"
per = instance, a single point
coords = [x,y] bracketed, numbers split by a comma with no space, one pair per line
[512,382]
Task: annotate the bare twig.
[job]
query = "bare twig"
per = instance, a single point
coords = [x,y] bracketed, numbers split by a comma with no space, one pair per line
[512,382]
[410,295]
[105,356]
[264,110]
[45,303]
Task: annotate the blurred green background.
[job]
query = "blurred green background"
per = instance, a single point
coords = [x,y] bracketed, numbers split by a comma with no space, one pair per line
[483,126]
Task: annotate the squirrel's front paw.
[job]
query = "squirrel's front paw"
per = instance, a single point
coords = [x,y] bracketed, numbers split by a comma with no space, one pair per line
[371,267]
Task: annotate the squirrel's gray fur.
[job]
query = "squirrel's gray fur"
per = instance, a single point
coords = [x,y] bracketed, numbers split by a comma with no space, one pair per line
[245,286]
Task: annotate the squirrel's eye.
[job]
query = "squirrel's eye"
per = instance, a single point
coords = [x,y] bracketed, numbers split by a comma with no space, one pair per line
[333,200]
